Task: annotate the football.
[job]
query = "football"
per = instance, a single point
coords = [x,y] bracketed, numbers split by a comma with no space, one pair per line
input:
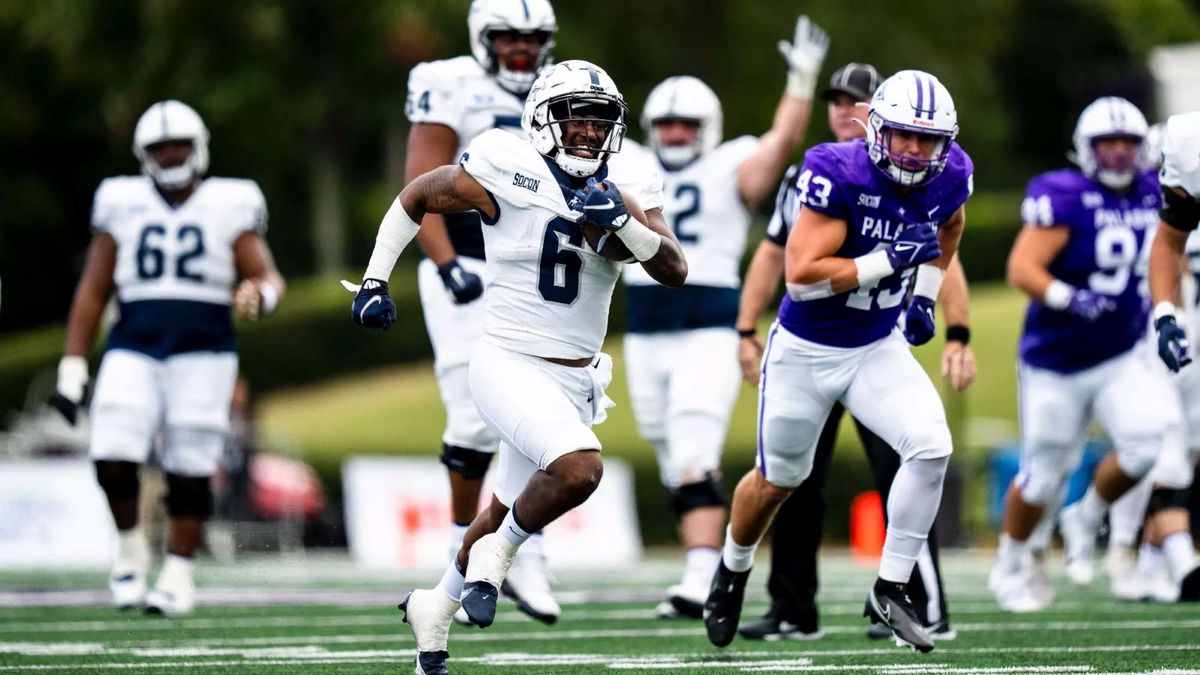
[610,247]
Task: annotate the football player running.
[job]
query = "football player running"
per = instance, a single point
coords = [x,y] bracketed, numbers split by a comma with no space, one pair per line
[712,190]
[796,535]
[178,249]
[1168,526]
[873,213]
[450,102]
[537,374]
[1081,259]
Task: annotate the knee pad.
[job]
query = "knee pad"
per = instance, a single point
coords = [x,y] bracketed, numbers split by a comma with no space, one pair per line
[118,479]
[932,443]
[192,451]
[468,463]
[1168,498]
[189,496]
[708,492]
[1039,489]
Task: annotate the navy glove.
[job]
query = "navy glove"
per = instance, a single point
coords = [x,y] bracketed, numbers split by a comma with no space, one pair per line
[66,407]
[603,207]
[1088,305]
[1172,343]
[463,285]
[914,246]
[919,324]
[372,306]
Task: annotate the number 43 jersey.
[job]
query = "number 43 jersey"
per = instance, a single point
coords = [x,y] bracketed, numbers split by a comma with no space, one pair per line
[175,267]
[548,293]
[838,180]
[1107,252]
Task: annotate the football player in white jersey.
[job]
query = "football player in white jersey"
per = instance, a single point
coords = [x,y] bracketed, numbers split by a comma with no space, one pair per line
[178,249]
[450,102]
[712,190]
[537,375]
[1179,177]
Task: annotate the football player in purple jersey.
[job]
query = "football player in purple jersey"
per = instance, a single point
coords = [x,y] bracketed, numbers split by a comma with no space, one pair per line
[873,213]
[1081,258]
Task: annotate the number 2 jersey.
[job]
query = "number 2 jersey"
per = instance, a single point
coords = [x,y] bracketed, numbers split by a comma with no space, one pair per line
[175,267]
[548,293]
[1107,252]
[839,181]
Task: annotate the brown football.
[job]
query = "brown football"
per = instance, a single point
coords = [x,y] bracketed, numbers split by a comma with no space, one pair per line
[613,248]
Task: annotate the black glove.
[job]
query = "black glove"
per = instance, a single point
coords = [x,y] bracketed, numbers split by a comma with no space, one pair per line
[372,306]
[463,285]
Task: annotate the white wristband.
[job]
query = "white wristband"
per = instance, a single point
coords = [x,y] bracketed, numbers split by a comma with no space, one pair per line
[1058,294]
[395,232]
[1164,308]
[270,298]
[929,281]
[801,83]
[641,241]
[72,376]
[872,267]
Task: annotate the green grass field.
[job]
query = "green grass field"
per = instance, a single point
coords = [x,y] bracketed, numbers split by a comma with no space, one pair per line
[322,615]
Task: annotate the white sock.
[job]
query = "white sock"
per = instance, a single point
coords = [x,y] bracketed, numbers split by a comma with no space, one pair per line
[457,534]
[900,551]
[1093,507]
[700,564]
[452,581]
[512,531]
[133,551]
[737,558]
[1150,561]
[1126,515]
[176,569]
[1011,555]
[912,505]
[1180,553]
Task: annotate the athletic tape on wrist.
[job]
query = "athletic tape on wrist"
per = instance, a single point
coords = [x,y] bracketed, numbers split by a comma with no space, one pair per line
[929,281]
[872,267]
[396,230]
[641,241]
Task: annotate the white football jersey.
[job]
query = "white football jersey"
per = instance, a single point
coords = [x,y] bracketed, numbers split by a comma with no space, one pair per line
[459,94]
[183,253]
[1181,153]
[705,210]
[548,293]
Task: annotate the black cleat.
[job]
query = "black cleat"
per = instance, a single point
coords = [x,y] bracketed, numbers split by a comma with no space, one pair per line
[724,605]
[479,600]
[772,627]
[432,663]
[686,608]
[888,603]
[1189,588]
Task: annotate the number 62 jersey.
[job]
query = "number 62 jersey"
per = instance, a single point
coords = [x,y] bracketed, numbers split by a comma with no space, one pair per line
[175,267]
[838,181]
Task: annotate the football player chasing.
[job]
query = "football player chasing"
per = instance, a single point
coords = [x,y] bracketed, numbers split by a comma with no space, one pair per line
[537,374]
[450,102]
[711,190]
[872,214]
[796,536]
[171,245]
[1081,258]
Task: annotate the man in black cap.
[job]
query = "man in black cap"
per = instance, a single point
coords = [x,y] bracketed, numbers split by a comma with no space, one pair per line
[797,533]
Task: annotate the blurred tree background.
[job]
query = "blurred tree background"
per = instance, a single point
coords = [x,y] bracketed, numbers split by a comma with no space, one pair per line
[306,96]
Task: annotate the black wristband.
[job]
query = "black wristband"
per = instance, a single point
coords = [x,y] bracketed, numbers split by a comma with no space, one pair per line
[958,333]
[747,332]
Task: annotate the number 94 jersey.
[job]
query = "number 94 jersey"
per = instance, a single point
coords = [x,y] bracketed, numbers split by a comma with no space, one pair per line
[838,180]
[175,267]
[1107,252]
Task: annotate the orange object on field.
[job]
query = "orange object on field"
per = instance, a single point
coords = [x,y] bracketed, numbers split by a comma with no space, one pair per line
[867,528]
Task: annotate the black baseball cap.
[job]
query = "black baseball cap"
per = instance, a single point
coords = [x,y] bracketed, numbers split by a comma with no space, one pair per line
[860,80]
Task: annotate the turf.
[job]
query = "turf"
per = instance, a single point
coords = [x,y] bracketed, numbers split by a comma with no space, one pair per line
[325,616]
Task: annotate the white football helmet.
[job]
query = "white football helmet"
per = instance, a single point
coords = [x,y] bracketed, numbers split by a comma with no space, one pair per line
[524,16]
[911,100]
[574,90]
[1108,117]
[683,97]
[171,121]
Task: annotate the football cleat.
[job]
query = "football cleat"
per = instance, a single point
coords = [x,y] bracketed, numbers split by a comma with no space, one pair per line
[1123,581]
[682,603]
[723,608]
[772,628]
[528,583]
[1189,585]
[174,593]
[428,614]
[887,603]
[491,556]
[1079,542]
[461,618]
[1020,591]
[940,630]
[128,590]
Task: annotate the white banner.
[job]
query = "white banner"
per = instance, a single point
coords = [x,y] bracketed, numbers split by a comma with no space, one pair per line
[53,515]
[398,516]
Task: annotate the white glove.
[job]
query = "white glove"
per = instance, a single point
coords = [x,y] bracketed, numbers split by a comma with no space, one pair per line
[804,56]
[68,394]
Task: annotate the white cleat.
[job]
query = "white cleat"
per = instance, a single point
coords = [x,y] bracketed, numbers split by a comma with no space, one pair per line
[1018,591]
[174,593]
[491,556]
[1039,580]
[428,613]
[1079,542]
[128,589]
[528,583]
[1123,581]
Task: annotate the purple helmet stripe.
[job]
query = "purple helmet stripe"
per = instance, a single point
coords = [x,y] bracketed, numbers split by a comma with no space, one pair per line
[920,95]
[932,102]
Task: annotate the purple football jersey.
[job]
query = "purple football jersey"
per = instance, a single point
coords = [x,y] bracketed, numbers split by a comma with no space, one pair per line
[838,180]
[1107,252]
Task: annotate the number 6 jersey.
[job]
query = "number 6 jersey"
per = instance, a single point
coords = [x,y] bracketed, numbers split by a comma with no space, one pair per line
[838,180]
[175,267]
[1107,252]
